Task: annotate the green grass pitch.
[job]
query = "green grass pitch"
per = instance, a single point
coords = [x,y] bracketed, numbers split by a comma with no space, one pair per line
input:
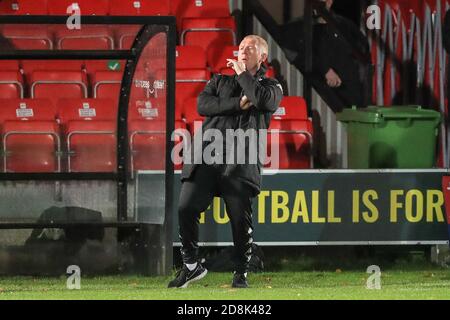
[432,283]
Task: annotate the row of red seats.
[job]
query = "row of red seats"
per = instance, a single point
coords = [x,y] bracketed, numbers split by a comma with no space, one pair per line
[179,8]
[79,135]
[97,79]
[200,22]
[210,32]
[76,135]
[67,78]
[89,37]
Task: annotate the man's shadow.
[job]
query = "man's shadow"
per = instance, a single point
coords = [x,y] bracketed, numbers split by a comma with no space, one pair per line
[410,93]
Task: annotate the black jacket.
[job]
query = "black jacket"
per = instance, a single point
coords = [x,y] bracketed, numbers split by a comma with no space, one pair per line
[220,104]
[332,50]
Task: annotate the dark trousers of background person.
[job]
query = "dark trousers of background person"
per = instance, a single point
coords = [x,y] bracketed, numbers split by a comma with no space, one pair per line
[197,194]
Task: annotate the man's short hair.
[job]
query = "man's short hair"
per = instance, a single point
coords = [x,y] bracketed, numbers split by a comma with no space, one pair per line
[262,44]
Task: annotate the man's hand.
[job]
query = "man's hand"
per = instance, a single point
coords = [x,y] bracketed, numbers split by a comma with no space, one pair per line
[333,79]
[237,66]
[245,103]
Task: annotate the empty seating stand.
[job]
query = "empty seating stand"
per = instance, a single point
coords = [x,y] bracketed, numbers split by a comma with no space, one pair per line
[89,130]
[81,89]
[30,136]
[295,134]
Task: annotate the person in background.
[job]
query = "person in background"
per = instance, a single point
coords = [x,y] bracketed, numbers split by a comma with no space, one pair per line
[334,58]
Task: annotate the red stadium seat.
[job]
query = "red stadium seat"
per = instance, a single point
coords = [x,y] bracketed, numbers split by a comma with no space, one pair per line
[125,36]
[292,108]
[147,144]
[212,32]
[11,85]
[55,85]
[189,84]
[27,37]
[23,7]
[87,7]
[106,84]
[190,57]
[91,146]
[89,127]
[27,110]
[295,132]
[217,57]
[147,130]
[30,136]
[93,66]
[139,8]
[87,38]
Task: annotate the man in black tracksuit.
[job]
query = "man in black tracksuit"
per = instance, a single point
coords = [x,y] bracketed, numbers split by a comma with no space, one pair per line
[244,101]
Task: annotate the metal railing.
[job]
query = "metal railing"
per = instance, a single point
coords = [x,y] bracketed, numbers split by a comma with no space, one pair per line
[409,49]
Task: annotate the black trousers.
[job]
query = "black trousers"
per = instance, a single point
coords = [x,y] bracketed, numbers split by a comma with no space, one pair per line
[197,194]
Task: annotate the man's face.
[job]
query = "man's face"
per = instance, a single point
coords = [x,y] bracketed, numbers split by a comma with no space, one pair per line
[249,54]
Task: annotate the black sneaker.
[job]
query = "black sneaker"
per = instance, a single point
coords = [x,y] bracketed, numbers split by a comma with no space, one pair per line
[239,281]
[184,276]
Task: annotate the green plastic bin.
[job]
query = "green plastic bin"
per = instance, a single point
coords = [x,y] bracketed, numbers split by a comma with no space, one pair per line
[391,137]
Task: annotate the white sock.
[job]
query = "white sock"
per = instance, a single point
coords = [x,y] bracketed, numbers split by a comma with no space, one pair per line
[191,266]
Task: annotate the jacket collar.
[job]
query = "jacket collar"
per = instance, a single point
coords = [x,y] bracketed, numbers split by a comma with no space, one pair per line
[261,72]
